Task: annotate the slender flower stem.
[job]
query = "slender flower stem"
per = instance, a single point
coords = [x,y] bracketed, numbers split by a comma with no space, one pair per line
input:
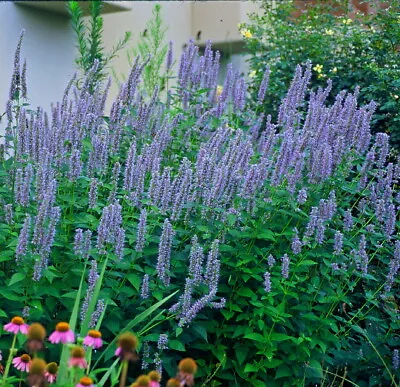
[89,358]
[124,373]
[9,360]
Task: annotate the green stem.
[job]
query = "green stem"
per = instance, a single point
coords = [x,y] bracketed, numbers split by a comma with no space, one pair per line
[89,358]
[9,360]
[124,373]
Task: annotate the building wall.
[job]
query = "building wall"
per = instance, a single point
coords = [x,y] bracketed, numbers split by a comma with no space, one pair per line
[48,47]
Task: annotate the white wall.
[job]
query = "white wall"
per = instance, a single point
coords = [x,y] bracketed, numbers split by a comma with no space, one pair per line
[48,47]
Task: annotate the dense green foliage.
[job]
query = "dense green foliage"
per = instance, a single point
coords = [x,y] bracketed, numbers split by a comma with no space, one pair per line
[361,52]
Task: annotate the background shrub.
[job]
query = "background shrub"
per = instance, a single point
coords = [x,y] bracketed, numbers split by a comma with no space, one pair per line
[362,52]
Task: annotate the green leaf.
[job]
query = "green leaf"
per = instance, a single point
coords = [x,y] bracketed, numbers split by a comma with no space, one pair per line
[251,368]
[283,371]
[315,369]
[176,345]
[108,373]
[241,353]
[17,277]
[245,292]
[256,337]
[201,330]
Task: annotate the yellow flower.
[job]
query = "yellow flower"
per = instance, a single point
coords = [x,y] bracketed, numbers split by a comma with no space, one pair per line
[334,70]
[318,68]
[246,33]
[219,90]
[252,73]
[347,21]
[320,76]
[329,32]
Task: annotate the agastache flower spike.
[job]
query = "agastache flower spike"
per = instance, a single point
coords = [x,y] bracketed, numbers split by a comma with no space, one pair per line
[23,238]
[144,291]
[296,242]
[271,260]
[169,56]
[263,85]
[141,232]
[211,276]
[285,266]
[97,313]
[93,193]
[78,241]
[395,359]
[162,342]
[338,243]
[164,253]
[267,282]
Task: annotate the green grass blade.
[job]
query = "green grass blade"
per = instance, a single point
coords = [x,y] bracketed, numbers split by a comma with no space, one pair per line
[63,370]
[137,320]
[108,373]
[93,301]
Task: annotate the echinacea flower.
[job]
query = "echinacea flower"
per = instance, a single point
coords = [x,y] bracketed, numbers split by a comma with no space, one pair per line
[16,325]
[51,372]
[85,382]
[143,381]
[36,336]
[127,344]
[93,339]
[187,368]
[37,371]
[173,383]
[77,358]
[155,379]
[62,334]
[22,362]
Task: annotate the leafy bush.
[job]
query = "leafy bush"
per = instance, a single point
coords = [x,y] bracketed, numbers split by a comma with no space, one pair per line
[281,239]
[362,52]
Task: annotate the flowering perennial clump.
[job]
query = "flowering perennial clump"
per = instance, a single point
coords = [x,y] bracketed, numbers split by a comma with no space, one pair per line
[286,226]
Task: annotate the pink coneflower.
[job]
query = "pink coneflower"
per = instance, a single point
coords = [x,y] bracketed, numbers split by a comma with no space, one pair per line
[93,339]
[16,325]
[22,363]
[77,358]
[155,379]
[51,372]
[127,344]
[85,382]
[62,334]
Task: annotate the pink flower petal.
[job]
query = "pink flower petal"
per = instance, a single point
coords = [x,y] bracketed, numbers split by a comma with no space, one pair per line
[55,337]
[24,329]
